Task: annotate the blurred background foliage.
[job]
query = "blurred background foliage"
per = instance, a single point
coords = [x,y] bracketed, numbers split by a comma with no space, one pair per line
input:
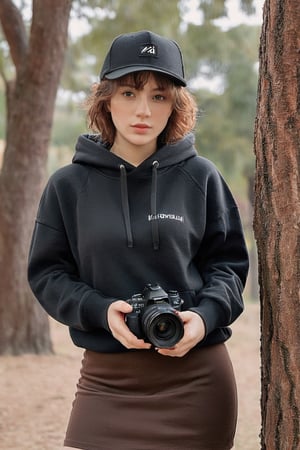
[221,65]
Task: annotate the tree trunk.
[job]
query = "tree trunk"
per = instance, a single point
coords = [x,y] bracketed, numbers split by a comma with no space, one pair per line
[277,222]
[24,326]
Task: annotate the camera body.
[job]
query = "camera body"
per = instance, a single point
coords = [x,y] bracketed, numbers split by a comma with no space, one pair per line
[154,317]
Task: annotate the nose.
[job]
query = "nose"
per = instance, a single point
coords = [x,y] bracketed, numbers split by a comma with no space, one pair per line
[143,107]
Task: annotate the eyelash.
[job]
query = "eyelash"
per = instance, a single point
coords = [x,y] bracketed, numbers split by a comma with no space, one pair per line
[157,97]
[127,94]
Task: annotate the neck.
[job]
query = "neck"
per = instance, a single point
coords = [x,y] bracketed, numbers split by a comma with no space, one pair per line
[135,155]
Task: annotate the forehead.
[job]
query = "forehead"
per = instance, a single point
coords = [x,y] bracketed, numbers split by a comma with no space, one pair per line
[140,79]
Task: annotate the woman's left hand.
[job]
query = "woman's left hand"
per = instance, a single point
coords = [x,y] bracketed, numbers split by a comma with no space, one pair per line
[194,332]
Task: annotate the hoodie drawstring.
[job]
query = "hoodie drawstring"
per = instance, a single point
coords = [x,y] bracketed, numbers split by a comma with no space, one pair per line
[154,221]
[126,211]
[125,205]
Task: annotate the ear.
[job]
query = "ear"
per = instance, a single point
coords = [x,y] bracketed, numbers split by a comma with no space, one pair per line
[108,106]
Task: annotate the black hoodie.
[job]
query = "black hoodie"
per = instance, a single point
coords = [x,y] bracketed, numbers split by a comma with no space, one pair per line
[105,229]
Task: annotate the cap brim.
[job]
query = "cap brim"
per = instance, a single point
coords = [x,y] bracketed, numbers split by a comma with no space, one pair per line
[126,70]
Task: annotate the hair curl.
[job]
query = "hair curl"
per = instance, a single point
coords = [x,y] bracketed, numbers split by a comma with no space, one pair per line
[181,121]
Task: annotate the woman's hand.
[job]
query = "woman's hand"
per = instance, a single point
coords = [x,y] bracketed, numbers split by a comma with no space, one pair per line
[194,332]
[116,321]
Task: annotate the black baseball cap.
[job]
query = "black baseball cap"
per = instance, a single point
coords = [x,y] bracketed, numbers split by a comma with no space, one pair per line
[143,50]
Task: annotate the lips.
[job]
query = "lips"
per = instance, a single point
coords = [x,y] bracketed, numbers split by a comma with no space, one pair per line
[141,126]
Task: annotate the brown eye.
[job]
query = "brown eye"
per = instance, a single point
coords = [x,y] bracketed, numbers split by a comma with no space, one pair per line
[159,97]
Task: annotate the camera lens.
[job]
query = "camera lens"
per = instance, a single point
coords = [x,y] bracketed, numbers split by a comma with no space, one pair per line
[162,326]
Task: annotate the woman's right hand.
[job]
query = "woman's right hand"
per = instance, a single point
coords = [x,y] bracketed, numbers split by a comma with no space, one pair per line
[120,331]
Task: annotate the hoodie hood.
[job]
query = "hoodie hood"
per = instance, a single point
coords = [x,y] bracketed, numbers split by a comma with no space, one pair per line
[91,151]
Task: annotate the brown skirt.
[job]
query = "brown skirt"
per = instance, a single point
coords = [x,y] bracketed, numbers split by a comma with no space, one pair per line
[141,400]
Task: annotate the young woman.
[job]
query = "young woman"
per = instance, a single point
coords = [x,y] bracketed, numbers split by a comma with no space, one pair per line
[137,220]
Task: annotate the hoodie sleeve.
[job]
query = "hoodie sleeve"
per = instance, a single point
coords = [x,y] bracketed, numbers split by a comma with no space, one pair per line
[53,273]
[222,259]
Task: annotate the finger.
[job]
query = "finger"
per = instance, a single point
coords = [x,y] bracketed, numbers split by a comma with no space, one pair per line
[121,306]
[139,344]
[129,339]
[185,316]
[134,342]
[176,351]
[172,353]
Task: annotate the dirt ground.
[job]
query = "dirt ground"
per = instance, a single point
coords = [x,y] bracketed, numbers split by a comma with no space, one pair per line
[36,392]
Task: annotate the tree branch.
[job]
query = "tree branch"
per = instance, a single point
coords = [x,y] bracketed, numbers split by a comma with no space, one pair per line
[14,30]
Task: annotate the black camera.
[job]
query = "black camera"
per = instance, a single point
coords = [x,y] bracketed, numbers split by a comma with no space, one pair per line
[154,316]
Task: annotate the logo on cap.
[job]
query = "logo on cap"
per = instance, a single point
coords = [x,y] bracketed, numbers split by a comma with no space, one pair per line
[146,50]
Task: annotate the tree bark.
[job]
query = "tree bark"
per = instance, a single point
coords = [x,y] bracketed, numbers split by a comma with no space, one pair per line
[24,326]
[277,222]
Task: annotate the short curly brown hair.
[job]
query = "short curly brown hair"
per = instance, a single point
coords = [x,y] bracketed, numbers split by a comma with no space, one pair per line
[181,121]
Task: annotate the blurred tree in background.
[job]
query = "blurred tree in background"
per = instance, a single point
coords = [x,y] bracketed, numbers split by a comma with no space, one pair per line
[277,223]
[31,77]
[221,67]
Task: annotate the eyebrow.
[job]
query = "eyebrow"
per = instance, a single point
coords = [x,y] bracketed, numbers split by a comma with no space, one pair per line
[132,86]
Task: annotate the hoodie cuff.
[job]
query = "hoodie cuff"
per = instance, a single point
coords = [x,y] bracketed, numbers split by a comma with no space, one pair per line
[210,316]
[94,311]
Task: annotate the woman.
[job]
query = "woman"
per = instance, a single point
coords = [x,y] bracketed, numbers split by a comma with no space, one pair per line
[139,218]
